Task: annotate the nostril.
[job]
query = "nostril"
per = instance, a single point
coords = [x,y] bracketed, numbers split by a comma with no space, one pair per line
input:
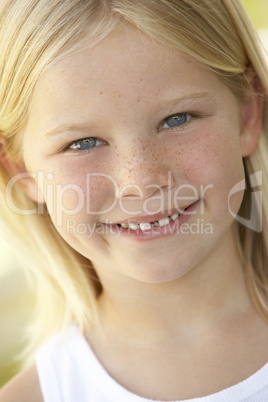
[129,190]
[144,186]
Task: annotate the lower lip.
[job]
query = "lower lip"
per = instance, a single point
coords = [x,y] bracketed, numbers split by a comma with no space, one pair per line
[157,232]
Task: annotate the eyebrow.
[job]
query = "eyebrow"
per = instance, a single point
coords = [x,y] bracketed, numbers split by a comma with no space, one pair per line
[63,128]
[199,96]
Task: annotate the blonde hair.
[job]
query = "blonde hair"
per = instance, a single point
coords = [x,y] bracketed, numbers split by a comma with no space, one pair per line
[36,33]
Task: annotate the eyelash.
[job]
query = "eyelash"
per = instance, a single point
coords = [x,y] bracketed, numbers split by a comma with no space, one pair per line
[88,139]
[177,116]
[189,117]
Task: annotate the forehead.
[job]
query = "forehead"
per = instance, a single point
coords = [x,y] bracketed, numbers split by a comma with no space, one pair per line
[126,68]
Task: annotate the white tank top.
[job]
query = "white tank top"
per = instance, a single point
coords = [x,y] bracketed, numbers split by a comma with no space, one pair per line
[69,371]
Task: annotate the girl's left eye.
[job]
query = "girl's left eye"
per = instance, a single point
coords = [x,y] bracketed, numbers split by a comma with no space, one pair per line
[175,120]
[86,144]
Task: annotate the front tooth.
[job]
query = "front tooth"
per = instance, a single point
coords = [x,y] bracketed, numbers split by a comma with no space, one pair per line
[145,226]
[175,216]
[133,226]
[164,221]
[124,225]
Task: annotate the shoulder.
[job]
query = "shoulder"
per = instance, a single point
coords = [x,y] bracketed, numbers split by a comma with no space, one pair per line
[24,387]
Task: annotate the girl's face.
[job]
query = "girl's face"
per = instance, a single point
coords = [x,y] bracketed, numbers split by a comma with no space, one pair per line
[131,131]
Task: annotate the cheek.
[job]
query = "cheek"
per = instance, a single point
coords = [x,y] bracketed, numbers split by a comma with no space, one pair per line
[211,160]
[74,191]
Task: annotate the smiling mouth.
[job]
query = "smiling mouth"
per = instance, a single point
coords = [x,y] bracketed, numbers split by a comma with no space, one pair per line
[149,228]
[144,226]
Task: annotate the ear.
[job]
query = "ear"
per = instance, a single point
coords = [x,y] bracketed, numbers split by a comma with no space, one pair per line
[20,175]
[252,114]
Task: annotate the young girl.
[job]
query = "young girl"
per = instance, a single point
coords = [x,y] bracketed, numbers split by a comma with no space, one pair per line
[134,181]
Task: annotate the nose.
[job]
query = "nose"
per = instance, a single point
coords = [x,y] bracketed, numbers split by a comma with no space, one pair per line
[143,172]
[145,184]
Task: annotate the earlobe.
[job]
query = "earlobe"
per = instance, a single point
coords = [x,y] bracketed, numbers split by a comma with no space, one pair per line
[20,175]
[252,116]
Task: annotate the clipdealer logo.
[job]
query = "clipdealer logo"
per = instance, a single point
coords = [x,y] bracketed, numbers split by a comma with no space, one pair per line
[56,192]
[255,221]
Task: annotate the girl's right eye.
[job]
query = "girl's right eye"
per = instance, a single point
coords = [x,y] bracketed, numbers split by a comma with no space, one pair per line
[86,144]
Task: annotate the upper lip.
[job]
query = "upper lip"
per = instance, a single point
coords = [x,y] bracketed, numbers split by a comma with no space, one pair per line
[152,218]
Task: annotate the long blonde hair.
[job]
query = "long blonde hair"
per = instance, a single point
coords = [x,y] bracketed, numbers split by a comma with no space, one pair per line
[36,33]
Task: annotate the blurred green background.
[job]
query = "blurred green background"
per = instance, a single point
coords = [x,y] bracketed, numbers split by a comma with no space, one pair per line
[258,10]
[15,299]
[15,308]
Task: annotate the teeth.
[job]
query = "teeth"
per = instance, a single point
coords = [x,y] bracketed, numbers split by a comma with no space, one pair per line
[174,217]
[164,221]
[147,226]
[133,226]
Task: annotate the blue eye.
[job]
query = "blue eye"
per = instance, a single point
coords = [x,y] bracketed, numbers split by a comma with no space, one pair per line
[86,144]
[175,120]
